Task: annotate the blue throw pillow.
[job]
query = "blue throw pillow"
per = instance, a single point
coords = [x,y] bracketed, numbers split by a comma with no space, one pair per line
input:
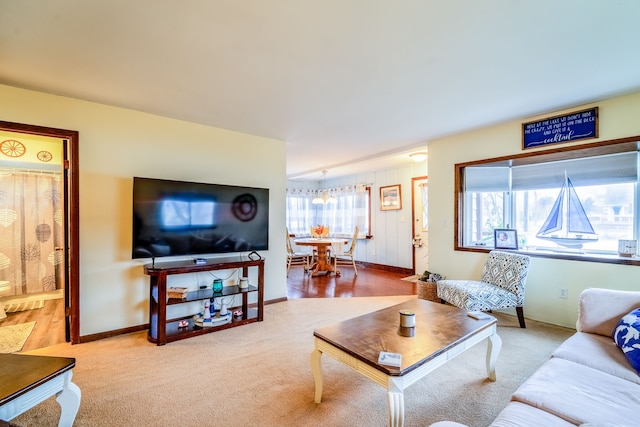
[626,335]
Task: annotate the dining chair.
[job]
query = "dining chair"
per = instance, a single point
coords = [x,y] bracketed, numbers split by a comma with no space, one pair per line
[299,257]
[342,257]
[501,285]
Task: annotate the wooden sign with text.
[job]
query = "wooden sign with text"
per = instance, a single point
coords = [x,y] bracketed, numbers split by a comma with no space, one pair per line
[558,129]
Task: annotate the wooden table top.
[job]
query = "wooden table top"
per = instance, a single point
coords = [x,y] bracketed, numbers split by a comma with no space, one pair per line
[438,328]
[319,241]
[20,373]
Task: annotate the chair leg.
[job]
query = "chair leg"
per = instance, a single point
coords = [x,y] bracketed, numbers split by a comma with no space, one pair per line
[355,270]
[520,313]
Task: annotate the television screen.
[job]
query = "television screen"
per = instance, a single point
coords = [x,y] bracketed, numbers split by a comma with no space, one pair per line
[173,218]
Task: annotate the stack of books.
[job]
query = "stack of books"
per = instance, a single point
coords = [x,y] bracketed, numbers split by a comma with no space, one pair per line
[177,293]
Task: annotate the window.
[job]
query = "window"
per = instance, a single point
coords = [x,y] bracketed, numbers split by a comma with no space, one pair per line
[575,201]
[185,214]
[351,208]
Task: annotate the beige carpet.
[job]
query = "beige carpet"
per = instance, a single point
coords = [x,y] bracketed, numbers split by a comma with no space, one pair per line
[259,375]
[12,338]
[413,278]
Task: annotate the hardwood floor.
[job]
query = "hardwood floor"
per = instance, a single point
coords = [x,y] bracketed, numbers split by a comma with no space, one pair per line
[369,282]
[49,329]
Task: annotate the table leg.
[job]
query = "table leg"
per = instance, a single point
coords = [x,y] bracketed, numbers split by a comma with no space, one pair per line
[324,262]
[396,401]
[316,370]
[494,345]
[69,401]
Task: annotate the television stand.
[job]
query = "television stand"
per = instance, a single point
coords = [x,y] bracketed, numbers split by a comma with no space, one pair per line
[163,330]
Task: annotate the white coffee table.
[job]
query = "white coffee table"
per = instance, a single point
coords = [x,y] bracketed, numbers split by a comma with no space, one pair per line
[442,332]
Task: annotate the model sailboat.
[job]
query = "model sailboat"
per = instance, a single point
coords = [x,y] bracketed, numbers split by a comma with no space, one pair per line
[567,223]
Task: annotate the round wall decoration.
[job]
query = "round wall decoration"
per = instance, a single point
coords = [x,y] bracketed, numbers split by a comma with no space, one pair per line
[43,232]
[12,148]
[245,207]
[44,156]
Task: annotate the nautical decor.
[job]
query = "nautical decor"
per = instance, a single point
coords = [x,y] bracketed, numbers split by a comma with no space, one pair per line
[567,224]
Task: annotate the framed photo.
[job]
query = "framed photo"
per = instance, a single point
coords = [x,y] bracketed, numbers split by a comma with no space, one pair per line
[390,198]
[505,238]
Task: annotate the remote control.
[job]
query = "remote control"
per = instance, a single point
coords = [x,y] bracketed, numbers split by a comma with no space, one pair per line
[478,315]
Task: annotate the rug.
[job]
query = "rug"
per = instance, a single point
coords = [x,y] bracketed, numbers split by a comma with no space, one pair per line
[413,278]
[23,306]
[12,338]
[259,375]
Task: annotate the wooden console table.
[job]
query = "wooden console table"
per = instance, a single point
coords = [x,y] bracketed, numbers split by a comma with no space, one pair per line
[163,330]
[26,380]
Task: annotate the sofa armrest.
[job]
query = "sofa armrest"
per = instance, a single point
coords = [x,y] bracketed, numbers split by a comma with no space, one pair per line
[599,310]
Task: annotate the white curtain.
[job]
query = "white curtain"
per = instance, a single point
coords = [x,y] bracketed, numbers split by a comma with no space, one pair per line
[31,228]
[351,208]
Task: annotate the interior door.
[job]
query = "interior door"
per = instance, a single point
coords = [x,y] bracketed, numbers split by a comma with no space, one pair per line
[420,241]
[70,245]
[67,282]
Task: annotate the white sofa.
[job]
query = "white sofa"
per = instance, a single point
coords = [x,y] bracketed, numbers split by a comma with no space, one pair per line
[587,381]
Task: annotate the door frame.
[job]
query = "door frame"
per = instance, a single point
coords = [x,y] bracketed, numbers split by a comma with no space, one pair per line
[414,220]
[71,218]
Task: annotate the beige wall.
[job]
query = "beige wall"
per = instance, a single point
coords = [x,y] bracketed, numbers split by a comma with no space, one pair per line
[117,144]
[34,144]
[618,118]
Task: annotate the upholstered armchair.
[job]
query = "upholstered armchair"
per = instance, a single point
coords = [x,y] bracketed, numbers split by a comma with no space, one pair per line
[502,284]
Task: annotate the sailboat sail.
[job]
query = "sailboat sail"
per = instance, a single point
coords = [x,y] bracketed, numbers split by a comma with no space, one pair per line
[567,223]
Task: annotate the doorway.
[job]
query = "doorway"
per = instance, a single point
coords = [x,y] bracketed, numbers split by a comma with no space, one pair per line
[64,251]
[420,204]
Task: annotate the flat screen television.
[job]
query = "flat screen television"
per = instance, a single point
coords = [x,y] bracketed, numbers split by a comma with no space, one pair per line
[173,218]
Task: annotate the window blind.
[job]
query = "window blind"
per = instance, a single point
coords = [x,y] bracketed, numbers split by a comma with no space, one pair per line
[607,169]
[596,170]
[486,178]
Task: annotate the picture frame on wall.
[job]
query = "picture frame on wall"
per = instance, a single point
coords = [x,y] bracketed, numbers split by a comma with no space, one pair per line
[390,198]
[505,238]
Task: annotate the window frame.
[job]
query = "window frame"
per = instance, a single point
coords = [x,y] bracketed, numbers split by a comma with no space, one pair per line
[613,146]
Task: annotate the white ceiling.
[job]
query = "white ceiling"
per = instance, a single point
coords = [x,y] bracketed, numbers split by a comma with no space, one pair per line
[341,81]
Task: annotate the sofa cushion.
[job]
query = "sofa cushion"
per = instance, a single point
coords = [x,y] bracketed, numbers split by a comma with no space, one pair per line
[517,414]
[473,295]
[626,335]
[580,394]
[601,309]
[597,352]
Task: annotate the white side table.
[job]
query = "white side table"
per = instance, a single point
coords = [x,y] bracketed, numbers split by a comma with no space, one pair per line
[27,380]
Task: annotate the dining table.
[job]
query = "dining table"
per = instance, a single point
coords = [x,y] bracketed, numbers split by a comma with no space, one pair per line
[322,265]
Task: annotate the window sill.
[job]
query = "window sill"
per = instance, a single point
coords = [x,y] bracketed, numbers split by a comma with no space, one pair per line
[587,257]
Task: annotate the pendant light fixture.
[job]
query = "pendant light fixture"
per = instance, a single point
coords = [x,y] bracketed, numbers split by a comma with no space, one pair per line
[324,196]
